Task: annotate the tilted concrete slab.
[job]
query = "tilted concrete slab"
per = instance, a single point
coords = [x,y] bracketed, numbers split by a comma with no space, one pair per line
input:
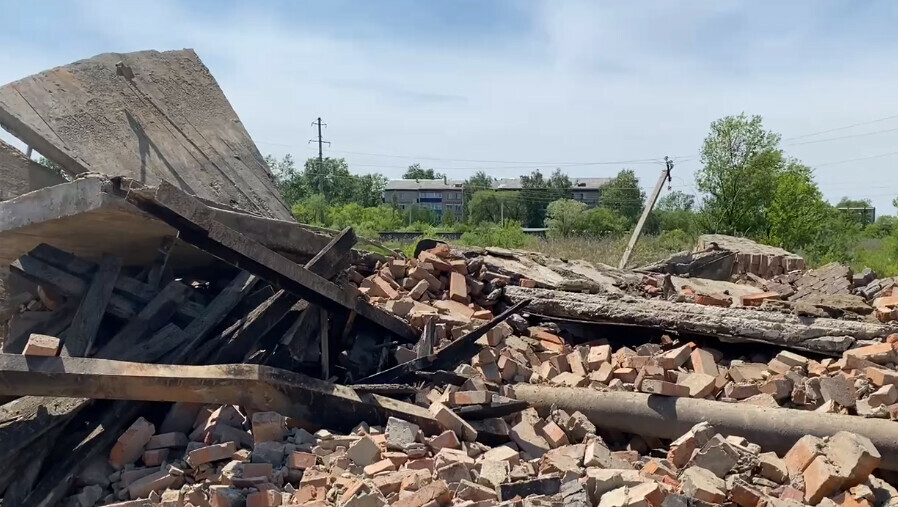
[88,218]
[148,115]
[19,175]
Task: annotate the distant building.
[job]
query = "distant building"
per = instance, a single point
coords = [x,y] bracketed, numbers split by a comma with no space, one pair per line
[443,196]
[585,190]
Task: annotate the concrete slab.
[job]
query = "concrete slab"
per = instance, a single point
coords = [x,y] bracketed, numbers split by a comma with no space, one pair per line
[148,115]
[88,218]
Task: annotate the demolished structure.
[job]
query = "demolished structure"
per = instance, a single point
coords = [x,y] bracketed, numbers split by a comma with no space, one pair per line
[172,337]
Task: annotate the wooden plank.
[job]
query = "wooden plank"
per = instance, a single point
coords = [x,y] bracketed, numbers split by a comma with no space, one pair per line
[150,319]
[83,330]
[127,298]
[331,259]
[55,323]
[257,323]
[304,398]
[161,261]
[424,347]
[196,226]
[324,342]
[446,358]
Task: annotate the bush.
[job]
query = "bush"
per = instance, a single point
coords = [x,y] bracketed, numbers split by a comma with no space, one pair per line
[601,222]
[509,236]
[676,240]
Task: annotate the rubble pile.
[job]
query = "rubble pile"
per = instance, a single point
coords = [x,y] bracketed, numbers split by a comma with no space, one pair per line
[170,337]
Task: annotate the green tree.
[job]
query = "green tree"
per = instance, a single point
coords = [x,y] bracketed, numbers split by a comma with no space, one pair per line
[623,195]
[860,211]
[537,192]
[491,206]
[312,210]
[676,201]
[447,219]
[740,164]
[797,209]
[416,172]
[480,181]
[54,167]
[330,178]
[564,217]
[602,222]
[895,203]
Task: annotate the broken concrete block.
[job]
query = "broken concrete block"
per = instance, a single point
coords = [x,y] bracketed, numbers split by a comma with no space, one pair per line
[400,433]
[363,452]
[717,455]
[838,389]
[855,456]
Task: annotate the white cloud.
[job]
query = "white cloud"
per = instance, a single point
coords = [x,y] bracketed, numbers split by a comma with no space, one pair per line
[590,81]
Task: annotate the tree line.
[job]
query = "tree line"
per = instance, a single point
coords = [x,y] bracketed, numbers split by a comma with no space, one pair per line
[747,186]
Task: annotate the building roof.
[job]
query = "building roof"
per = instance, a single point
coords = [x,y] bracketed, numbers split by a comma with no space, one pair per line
[439,184]
[498,184]
[576,183]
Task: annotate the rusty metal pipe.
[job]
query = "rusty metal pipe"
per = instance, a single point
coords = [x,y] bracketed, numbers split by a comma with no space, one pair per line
[774,429]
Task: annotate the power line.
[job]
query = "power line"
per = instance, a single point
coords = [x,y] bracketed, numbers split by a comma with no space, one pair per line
[846,127]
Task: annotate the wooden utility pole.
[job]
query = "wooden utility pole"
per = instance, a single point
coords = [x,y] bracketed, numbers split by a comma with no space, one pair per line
[320,142]
[665,175]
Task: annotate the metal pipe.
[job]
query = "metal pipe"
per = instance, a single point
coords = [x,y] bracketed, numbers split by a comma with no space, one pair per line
[774,429]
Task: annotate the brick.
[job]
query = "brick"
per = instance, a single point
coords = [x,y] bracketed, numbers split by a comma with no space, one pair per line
[210,453]
[445,440]
[597,454]
[502,453]
[604,373]
[758,299]
[528,440]
[553,434]
[854,455]
[703,362]
[674,358]
[462,398]
[714,300]
[773,467]
[701,484]
[821,479]
[129,446]
[717,455]
[419,289]
[268,427]
[547,340]
[576,364]
[700,385]
[887,301]
[452,421]
[399,433]
[644,494]
[568,379]
[649,372]
[880,353]
[155,457]
[508,368]
[301,460]
[626,375]
[792,359]
[384,465]
[41,345]
[458,289]
[885,395]
[744,495]
[881,376]
[225,496]
[741,390]
[493,473]
[749,372]
[157,481]
[435,493]
[167,440]
[778,387]
[438,263]
[664,388]
[803,453]
[597,356]
[363,452]
[267,498]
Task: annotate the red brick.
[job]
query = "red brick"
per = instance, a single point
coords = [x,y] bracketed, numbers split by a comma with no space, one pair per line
[301,460]
[675,358]
[461,398]
[445,440]
[158,481]
[435,493]
[438,263]
[381,288]
[167,440]
[268,427]
[803,453]
[41,345]
[664,388]
[129,446]
[713,300]
[257,470]
[548,340]
[881,377]
[821,479]
[758,299]
[211,453]
[458,289]
[553,434]
[626,375]
[268,498]
[703,362]
[155,457]
[597,356]
[384,465]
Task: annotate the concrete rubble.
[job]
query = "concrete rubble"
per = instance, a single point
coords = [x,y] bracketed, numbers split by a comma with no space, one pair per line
[171,340]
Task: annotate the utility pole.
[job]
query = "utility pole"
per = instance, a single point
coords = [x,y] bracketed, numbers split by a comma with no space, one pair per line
[320,142]
[665,175]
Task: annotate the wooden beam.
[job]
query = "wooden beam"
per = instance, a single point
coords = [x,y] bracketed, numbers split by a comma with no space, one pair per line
[53,325]
[634,238]
[197,226]
[154,276]
[424,347]
[127,298]
[315,402]
[83,330]
[324,342]
[446,358]
[150,319]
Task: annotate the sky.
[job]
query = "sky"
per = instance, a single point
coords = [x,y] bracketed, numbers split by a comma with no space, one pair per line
[507,86]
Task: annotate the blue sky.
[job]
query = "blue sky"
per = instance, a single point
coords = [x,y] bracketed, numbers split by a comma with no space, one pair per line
[509,86]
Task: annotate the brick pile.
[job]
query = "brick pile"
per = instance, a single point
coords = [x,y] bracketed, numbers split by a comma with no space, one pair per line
[207,456]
